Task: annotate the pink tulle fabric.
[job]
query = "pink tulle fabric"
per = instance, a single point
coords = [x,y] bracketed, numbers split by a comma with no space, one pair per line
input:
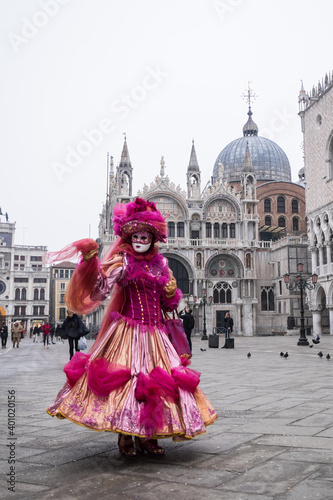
[150,390]
[186,378]
[76,367]
[105,377]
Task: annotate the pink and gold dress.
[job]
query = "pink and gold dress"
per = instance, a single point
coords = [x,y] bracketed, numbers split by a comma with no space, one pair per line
[133,381]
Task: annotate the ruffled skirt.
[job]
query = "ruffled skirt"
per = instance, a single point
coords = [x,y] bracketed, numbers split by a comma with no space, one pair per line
[134,382]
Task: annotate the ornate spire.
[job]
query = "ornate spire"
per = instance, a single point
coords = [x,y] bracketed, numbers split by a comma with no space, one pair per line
[125,159]
[250,128]
[162,169]
[248,164]
[193,164]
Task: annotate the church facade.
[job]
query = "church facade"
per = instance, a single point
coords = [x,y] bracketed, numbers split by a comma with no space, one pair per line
[230,242]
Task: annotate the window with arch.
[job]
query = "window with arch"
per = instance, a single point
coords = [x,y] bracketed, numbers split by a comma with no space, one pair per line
[224,230]
[267,205]
[180,273]
[267,298]
[180,229]
[42,294]
[222,293]
[216,230]
[330,242]
[295,224]
[17,294]
[268,220]
[232,230]
[282,222]
[208,230]
[36,294]
[171,227]
[198,260]
[281,204]
[24,294]
[248,261]
[294,206]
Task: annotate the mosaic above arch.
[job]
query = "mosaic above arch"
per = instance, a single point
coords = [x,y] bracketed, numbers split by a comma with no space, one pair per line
[169,207]
[223,266]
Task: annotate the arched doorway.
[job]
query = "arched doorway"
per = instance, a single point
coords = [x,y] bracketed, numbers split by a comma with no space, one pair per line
[181,275]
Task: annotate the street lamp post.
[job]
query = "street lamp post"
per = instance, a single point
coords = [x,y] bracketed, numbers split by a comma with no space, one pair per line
[301,284]
[204,301]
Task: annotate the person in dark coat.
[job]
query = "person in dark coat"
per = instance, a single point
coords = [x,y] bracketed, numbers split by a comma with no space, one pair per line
[4,335]
[74,329]
[229,325]
[188,323]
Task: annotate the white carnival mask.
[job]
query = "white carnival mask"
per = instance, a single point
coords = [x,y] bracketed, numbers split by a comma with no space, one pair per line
[141,241]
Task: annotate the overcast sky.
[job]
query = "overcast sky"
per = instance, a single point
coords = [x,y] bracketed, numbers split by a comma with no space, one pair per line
[77,74]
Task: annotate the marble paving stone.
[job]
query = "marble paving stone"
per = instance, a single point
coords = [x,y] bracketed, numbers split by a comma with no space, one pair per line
[244,457]
[67,454]
[271,478]
[318,420]
[326,433]
[308,455]
[20,452]
[221,442]
[174,491]
[22,491]
[102,487]
[310,490]
[325,472]
[296,441]
[275,428]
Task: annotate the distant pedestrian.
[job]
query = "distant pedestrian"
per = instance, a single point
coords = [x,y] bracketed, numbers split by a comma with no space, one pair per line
[74,329]
[16,333]
[46,334]
[188,323]
[31,332]
[52,330]
[36,333]
[4,335]
[58,333]
[229,325]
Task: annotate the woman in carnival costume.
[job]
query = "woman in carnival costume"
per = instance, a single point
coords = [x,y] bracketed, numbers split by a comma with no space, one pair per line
[133,381]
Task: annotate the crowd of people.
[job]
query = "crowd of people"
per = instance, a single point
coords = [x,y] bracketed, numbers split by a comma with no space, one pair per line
[72,329]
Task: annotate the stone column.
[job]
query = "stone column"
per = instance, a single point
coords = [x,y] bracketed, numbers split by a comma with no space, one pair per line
[321,260]
[313,258]
[327,249]
[331,320]
[316,321]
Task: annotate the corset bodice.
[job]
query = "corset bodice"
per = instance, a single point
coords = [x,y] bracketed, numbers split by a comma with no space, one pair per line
[143,301]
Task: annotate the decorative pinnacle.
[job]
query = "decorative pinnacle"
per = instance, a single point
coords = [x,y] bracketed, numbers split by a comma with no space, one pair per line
[249,96]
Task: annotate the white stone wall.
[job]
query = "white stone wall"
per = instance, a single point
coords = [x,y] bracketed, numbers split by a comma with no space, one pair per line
[319,190]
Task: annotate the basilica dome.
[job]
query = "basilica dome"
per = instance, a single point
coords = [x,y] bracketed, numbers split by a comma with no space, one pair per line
[270,162]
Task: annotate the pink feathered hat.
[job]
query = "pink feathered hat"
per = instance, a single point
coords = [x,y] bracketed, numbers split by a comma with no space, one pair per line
[139,215]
